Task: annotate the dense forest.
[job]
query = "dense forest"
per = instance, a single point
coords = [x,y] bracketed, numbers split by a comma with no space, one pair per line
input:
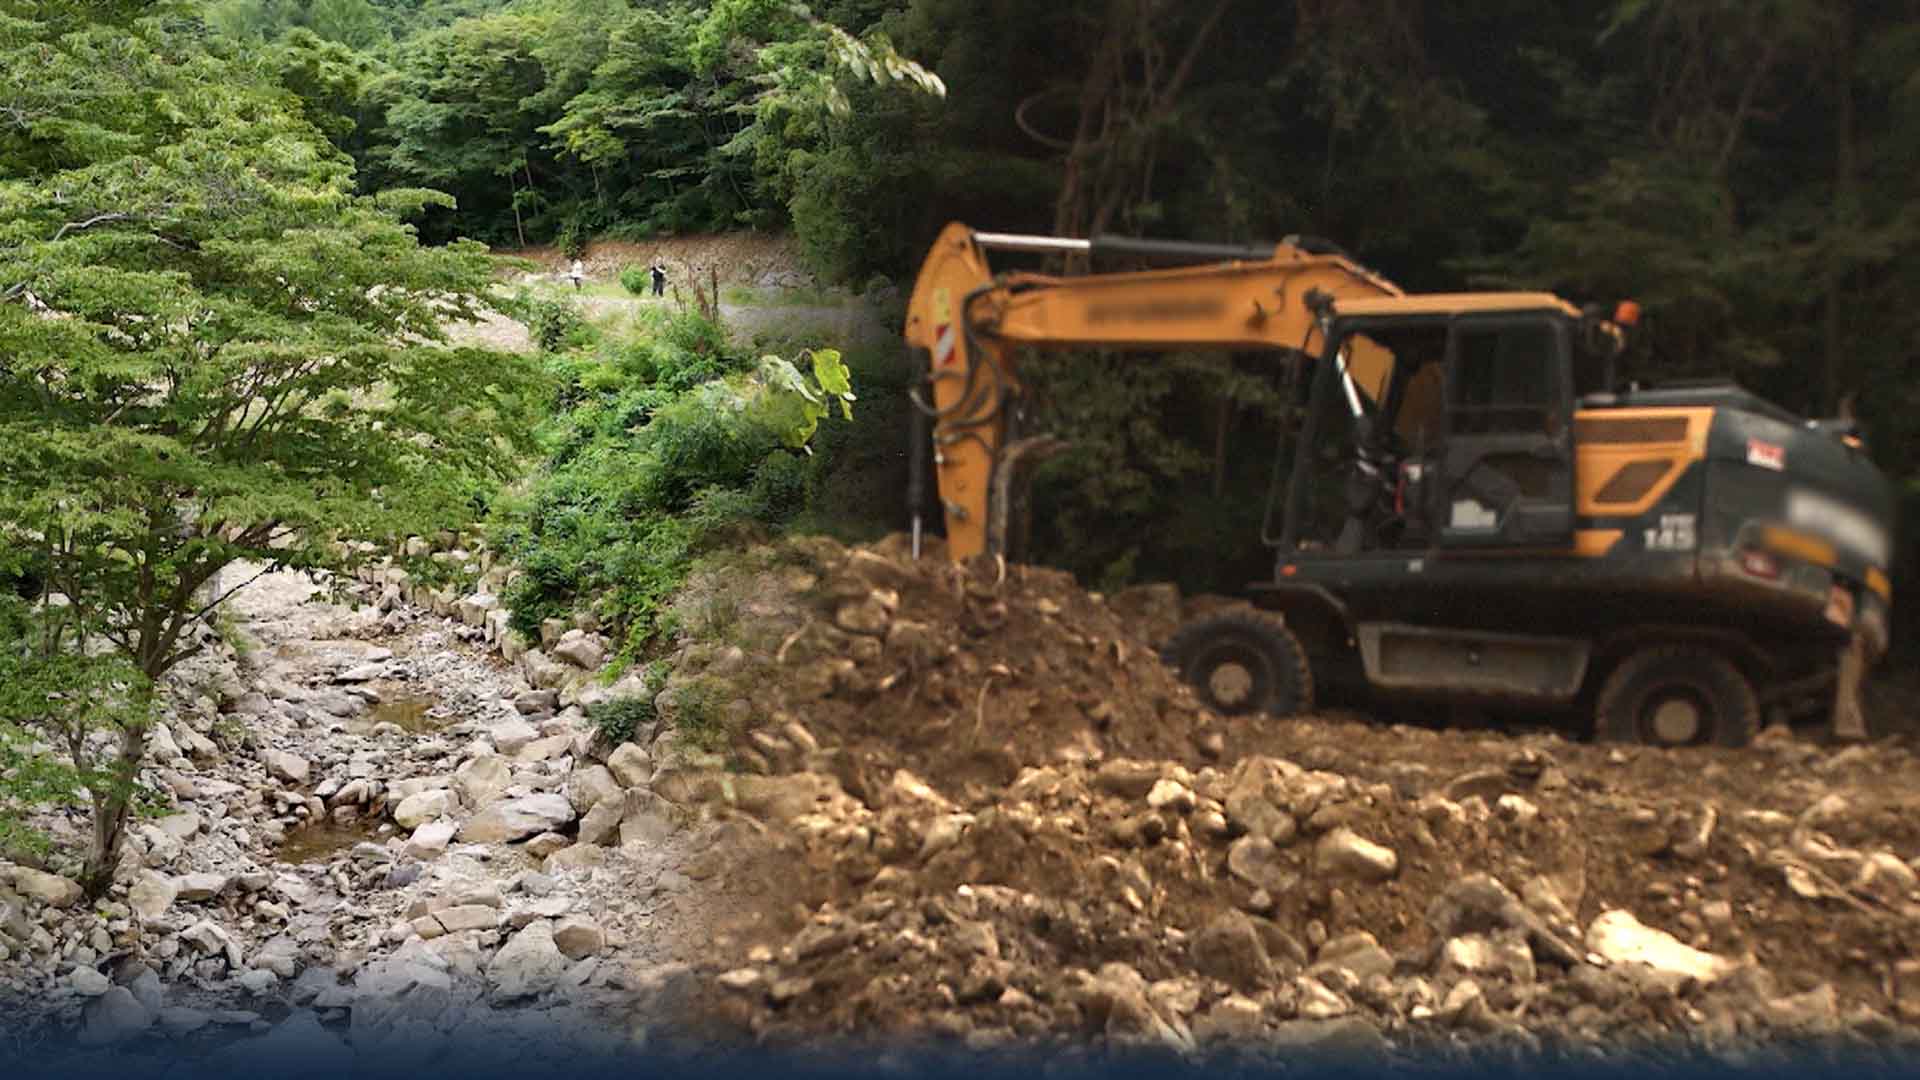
[1743,168]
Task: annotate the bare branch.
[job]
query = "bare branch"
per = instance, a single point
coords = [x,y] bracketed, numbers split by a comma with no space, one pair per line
[97,219]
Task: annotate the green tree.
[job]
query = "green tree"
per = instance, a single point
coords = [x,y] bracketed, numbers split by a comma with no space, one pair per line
[210,351]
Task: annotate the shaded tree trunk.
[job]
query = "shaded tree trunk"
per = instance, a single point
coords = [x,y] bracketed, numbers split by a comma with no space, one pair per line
[1845,206]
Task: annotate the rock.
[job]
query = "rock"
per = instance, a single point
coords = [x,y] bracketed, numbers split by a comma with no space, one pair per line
[361,673]
[1254,860]
[1232,1018]
[50,889]
[180,1020]
[870,617]
[1622,939]
[291,768]
[258,981]
[575,857]
[1230,950]
[193,887]
[481,780]
[1345,852]
[429,840]
[1516,809]
[1127,778]
[151,895]
[588,787]
[546,844]
[546,749]
[1477,954]
[113,1018]
[599,825]
[630,765]
[182,826]
[582,652]
[1171,795]
[527,966]
[1317,1002]
[578,937]
[208,937]
[511,735]
[419,809]
[1816,1011]
[1349,1038]
[1884,876]
[544,672]
[1359,953]
[1479,903]
[536,701]
[740,980]
[88,982]
[467,917]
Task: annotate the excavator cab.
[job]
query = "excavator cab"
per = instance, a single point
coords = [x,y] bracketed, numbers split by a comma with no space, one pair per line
[1454,431]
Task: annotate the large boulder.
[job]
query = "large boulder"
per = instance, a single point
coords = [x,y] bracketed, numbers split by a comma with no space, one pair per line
[527,966]
[517,819]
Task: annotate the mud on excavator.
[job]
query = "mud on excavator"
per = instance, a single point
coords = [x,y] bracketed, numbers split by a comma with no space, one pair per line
[1471,510]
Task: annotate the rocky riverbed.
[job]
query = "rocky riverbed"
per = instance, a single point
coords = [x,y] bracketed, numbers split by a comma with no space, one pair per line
[370,845]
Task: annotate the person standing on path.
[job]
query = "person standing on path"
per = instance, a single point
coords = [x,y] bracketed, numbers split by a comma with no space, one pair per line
[576,273]
[659,278]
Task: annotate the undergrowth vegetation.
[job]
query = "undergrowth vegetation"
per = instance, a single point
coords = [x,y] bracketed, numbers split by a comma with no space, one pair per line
[667,442]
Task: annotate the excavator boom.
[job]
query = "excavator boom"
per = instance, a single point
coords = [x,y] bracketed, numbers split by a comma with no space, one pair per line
[964,324]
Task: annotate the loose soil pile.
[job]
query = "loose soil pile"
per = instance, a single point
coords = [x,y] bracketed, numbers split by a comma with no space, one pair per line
[976,807]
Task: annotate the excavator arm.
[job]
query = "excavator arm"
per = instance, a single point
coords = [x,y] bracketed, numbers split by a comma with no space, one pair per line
[965,326]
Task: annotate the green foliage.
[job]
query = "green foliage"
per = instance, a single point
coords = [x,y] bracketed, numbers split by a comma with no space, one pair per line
[618,718]
[668,445]
[636,280]
[555,323]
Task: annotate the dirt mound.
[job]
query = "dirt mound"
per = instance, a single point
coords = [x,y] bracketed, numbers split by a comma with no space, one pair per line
[973,805]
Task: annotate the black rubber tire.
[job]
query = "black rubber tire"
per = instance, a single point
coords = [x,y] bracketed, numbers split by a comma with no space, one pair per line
[1729,712]
[1280,678]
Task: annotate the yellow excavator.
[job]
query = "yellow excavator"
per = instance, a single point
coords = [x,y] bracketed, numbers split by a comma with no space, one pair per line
[1472,509]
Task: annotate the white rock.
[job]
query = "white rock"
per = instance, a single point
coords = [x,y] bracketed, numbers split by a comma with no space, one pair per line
[430,839]
[578,937]
[481,780]
[417,810]
[1171,795]
[511,735]
[468,917]
[552,746]
[631,766]
[529,965]
[587,787]
[599,824]
[1516,809]
[151,895]
[1622,939]
[89,983]
[517,819]
[191,887]
[258,981]
[582,652]
[1344,851]
[180,826]
[360,673]
[50,889]
[291,768]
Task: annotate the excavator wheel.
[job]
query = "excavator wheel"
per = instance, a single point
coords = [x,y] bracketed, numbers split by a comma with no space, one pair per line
[1243,662]
[1677,695]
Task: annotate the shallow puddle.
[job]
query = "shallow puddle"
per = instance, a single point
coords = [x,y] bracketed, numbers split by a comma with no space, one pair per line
[409,714]
[320,841]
